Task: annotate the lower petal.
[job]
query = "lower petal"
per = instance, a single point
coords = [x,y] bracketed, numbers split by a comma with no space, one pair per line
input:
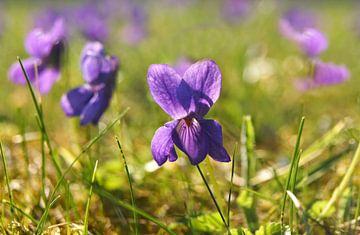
[47,78]
[162,145]
[190,138]
[75,100]
[213,132]
[16,74]
[95,108]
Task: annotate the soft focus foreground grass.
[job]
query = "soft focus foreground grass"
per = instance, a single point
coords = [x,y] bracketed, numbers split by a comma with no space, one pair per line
[175,191]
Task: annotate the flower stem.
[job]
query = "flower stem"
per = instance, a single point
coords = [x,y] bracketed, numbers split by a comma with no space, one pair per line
[213,198]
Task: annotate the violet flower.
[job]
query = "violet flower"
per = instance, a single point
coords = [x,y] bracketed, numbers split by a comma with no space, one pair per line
[187,99]
[324,74]
[46,49]
[233,10]
[91,23]
[90,100]
[299,27]
[136,30]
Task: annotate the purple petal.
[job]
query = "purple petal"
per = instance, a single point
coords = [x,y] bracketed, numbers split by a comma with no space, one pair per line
[190,138]
[287,30]
[164,84]
[162,145]
[75,100]
[213,132]
[204,78]
[16,74]
[91,68]
[236,9]
[96,107]
[57,32]
[299,20]
[38,43]
[329,73]
[47,78]
[313,42]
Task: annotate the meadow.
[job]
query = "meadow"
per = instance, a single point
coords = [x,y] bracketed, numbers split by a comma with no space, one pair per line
[294,150]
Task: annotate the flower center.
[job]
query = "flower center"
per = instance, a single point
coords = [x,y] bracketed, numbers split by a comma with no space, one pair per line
[188,121]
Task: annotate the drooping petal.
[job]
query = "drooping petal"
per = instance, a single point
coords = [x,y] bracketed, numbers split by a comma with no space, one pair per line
[75,100]
[16,74]
[190,138]
[164,84]
[162,145]
[329,73]
[47,78]
[213,132]
[38,43]
[312,42]
[204,78]
[95,108]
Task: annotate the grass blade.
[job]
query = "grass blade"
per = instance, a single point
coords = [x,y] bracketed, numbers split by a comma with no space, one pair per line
[138,211]
[357,211]
[3,158]
[309,154]
[231,184]
[84,150]
[344,182]
[86,220]
[295,158]
[41,119]
[131,188]
[21,211]
[246,200]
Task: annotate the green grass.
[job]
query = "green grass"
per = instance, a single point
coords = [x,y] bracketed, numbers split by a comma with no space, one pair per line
[272,184]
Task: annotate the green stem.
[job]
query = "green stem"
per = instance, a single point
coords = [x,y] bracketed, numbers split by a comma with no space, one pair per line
[213,198]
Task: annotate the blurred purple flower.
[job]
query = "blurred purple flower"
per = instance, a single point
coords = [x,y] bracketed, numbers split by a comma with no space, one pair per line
[91,23]
[299,26]
[136,30]
[45,49]
[233,10]
[46,18]
[187,99]
[90,100]
[324,74]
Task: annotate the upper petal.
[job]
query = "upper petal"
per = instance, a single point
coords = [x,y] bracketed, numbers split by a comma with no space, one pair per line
[329,73]
[190,138]
[213,132]
[47,78]
[164,84]
[204,78]
[75,100]
[16,74]
[96,107]
[38,43]
[91,68]
[313,42]
[162,145]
